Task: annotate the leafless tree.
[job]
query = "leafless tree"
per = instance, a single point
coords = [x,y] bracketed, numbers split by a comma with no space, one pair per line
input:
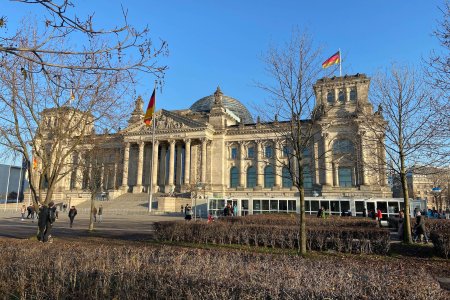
[292,113]
[414,138]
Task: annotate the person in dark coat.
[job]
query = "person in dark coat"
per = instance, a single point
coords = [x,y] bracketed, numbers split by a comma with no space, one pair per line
[419,228]
[47,215]
[72,214]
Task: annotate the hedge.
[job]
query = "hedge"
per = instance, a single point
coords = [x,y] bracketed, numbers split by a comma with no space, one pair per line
[320,238]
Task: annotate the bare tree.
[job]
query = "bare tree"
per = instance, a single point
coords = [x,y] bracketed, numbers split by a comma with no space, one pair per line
[414,138]
[47,115]
[292,116]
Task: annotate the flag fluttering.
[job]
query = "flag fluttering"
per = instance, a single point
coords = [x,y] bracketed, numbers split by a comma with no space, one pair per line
[334,59]
[150,110]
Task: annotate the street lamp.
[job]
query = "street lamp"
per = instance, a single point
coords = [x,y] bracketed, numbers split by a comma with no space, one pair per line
[436,191]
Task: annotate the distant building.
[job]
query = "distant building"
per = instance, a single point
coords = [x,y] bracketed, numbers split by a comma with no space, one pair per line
[17,182]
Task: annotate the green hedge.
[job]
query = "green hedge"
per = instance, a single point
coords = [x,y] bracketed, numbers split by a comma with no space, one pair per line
[320,238]
[441,242]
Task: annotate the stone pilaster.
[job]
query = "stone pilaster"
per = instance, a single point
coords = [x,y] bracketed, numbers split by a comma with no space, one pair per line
[241,165]
[172,163]
[187,161]
[327,155]
[260,164]
[126,157]
[154,172]
[140,167]
[178,175]
[203,175]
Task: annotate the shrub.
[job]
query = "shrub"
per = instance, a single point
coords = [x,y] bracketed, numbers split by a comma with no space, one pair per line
[320,238]
[441,242]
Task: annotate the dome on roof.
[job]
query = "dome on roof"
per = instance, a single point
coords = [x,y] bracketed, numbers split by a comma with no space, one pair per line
[206,103]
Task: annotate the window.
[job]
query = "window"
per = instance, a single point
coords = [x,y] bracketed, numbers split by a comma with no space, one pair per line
[251,177]
[251,152]
[341,96]
[233,153]
[307,178]
[268,151]
[342,146]
[286,151]
[353,95]
[345,176]
[269,178]
[306,152]
[330,97]
[286,180]
[234,177]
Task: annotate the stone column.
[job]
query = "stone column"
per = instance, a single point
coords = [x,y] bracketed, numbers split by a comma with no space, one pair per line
[336,96]
[336,174]
[347,94]
[204,144]
[126,156]
[179,162]
[154,172]
[102,177]
[162,168]
[327,155]
[316,162]
[78,172]
[277,165]
[171,163]
[187,161]
[138,187]
[115,176]
[241,165]
[260,164]
[363,159]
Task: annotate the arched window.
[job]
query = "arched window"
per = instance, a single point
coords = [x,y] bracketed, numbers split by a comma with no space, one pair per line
[307,178]
[269,178]
[343,147]
[353,95]
[330,97]
[286,181]
[234,177]
[268,151]
[341,96]
[251,177]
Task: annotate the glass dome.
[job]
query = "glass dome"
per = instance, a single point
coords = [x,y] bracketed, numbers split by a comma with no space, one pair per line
[205,104]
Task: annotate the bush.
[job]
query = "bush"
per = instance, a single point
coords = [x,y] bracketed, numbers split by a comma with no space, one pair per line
[320,238]
[105,270]
[441,242]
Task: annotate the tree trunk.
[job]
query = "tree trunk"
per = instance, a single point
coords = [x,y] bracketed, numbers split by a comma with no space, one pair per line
[407,220]
[91,217]
[302,250]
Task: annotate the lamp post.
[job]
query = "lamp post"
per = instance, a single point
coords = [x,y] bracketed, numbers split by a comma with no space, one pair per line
[436,191]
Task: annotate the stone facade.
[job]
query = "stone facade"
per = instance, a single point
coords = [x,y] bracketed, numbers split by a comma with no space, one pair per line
[217,145]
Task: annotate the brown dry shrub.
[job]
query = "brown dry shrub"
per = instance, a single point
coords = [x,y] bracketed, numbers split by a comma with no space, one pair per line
[100,270]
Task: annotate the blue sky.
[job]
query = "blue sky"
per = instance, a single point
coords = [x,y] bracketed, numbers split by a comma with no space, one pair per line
[221,42]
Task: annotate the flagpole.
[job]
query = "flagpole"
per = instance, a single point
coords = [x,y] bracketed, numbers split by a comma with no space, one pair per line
[150,198]
[340,63]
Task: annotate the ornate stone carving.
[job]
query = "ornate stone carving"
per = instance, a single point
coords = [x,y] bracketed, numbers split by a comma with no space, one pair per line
[218,97]
[163,122]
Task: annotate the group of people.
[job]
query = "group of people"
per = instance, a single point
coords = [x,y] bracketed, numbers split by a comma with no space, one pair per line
[187,210]
[230,211]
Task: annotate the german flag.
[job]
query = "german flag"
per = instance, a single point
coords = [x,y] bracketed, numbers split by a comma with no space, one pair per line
[150,110]
[334,59]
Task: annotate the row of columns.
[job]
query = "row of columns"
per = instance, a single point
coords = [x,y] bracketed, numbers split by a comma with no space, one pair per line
[159,165]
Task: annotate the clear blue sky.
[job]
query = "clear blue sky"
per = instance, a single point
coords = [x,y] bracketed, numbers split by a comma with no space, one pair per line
[221,42]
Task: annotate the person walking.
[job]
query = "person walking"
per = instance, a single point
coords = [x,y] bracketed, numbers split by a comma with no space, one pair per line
[379,216]
[29,211]
[94,213]
[188,211]
[72,214]
[320,212]
[23,210]
[100,213]
[401,217]
[419,228]
[47,216]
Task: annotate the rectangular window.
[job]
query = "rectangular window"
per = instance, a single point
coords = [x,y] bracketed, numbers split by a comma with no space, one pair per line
[292,205]
[274,205]
[265,204]
[286,151]
[306,152]
[233,153]
[345,177]
[251,152]
[268,151]
[283,205]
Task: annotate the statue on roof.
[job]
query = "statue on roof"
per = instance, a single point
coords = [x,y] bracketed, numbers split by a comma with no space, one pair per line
[138,106]
[218,96]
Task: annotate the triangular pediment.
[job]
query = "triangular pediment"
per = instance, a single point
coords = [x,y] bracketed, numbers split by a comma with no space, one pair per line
[165,121]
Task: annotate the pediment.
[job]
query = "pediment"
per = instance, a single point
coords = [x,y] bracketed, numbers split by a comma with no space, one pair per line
[164,121]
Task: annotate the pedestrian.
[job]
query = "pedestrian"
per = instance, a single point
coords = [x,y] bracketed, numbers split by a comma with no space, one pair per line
[100,214]
[94,213]
[23,210]
[185,209]
[72,214]
[33,212]
[47,216]
[320,212]
[188,211]
[64,207]
[29,211]
[379,216]
[419,228]
[182,208]
[364,212]
[235,210]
